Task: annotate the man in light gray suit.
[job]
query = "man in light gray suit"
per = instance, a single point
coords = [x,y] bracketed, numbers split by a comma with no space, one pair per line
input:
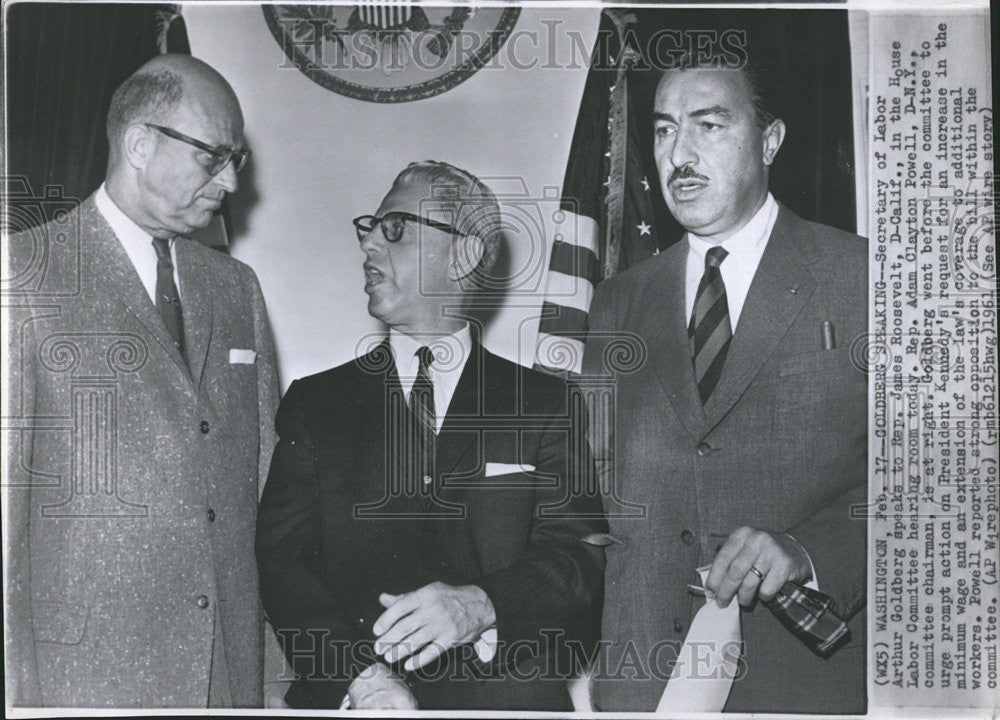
[142,390]
[743,435]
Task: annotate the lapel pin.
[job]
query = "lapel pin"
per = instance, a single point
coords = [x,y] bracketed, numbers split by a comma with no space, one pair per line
[793,289]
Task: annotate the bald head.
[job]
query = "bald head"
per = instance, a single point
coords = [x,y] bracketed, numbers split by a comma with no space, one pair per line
[168,126]
[153,93]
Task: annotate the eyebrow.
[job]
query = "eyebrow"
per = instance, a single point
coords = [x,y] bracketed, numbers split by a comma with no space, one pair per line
[702,112]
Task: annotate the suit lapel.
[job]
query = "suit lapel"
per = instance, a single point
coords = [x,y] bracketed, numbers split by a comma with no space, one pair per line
[780,289]
[465,409]
[669,348]
[112,265]
[197,306]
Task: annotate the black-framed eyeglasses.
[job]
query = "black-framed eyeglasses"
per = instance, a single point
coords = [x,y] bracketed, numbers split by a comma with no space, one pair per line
[392,224]
[221,155]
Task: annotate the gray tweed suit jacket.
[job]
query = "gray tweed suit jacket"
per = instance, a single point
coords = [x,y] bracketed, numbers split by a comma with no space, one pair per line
[780,444]
[132,480]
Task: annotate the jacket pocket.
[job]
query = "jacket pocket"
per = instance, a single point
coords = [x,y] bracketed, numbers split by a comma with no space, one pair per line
[58,622]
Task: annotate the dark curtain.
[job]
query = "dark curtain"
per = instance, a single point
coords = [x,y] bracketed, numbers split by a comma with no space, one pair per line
[64,61]
[809,56]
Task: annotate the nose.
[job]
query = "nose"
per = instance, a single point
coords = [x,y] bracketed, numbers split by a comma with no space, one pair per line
[226,178]
[683,151]
[371,241]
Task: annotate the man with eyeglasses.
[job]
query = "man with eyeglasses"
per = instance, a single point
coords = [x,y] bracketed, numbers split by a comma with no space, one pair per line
[132,502]
[422,538]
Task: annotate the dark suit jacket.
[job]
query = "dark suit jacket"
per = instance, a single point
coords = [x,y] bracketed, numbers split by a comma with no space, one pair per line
[781,444]
[133,482]
[337,527]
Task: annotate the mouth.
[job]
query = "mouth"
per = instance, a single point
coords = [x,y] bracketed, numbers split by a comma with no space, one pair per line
[373,276]
[687,189]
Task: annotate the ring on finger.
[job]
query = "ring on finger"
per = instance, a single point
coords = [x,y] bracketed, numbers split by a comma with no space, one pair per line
[757,572]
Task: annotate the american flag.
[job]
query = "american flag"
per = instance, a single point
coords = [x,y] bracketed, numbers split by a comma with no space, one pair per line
[611,190]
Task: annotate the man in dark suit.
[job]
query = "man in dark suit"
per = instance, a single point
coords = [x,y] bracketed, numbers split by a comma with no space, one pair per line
[743,434]
[143,388]
[419,539]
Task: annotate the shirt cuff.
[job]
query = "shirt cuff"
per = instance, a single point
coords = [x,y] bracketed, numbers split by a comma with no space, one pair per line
[813,583]
[486,645]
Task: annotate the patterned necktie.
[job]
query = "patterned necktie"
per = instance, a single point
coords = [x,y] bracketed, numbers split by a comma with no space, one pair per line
[168,300]
[710,331]
[422,394]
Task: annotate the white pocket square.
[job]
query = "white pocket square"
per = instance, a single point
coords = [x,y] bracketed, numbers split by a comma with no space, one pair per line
[507,468]
[239,356]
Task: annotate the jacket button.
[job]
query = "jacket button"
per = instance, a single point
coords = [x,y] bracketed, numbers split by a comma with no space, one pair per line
[678,625]
[204,427]
[688,537]
[202,602]
[211,515]
[428,479]
[704,449]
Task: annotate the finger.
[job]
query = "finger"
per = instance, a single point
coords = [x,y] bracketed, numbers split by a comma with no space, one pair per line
[726,554]
[751,582]
[408,646]
[387,600]
[404,605]
[736,574]
[430,652]
[397,634]
[779,571]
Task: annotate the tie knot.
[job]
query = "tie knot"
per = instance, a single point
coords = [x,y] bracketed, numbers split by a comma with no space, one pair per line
[715,256]
[426,357]
[162,247]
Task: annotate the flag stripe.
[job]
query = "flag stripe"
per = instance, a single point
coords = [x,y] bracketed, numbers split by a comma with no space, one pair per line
[558,319]
[574,260]
[569,291]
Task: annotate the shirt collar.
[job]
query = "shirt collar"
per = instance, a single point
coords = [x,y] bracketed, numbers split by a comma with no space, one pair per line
[450,351]
[125,229]
[748,240]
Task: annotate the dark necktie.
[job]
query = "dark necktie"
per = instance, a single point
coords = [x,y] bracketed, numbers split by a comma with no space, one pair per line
[710,331]
[168,300]
[422,395]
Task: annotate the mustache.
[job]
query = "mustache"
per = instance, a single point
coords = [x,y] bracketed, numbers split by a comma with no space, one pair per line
[684,172]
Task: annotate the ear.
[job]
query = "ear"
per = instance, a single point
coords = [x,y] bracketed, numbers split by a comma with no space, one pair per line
[774,135]
[466,254]
[138,145]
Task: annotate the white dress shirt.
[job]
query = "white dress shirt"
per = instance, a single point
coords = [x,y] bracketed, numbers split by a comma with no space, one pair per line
[745,248]
[450,355]
[137,242]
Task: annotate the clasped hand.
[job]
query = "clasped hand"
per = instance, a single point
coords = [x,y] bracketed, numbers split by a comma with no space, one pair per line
[421,625]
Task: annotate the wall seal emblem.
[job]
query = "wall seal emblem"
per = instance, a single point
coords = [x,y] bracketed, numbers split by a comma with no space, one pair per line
[389,53]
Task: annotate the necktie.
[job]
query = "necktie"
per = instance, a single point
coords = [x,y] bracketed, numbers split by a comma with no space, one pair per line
[168,300]
[710,331]
[422,394]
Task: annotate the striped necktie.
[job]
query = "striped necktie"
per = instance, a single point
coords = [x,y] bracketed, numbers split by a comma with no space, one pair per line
[168,300]
[422,394]
[710,331]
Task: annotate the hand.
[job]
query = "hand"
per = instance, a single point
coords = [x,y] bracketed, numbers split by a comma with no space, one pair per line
[431,620]
[776,556]
[378,688]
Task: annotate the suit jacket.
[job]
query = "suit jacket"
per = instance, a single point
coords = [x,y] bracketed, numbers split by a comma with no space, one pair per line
[132,479]
[338,525]
[780,444]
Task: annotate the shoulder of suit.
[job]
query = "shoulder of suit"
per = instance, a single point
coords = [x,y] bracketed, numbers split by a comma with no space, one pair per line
[375,363]
[534,382]
[645,271]
[830,242]
[213,257]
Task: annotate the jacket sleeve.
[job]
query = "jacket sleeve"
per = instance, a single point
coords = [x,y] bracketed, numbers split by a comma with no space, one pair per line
[276,671]
[20,665]
[558,583]
[325,647]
